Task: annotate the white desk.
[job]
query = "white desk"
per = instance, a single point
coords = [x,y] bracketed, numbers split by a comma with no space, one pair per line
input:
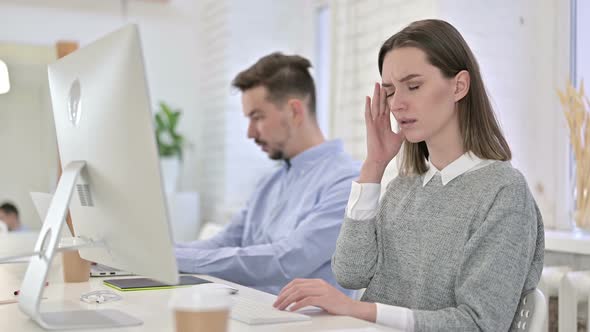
[149,306]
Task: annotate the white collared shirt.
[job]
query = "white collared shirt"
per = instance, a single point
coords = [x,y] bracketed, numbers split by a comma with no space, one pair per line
[468,162]
[364,201]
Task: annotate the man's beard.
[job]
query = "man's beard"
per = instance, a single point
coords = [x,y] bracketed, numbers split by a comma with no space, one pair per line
[277,155]
[273,155]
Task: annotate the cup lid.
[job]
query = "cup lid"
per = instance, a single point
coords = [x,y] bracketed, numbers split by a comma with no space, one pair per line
[194,298]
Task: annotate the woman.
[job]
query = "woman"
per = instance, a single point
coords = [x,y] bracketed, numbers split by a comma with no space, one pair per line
[457,237]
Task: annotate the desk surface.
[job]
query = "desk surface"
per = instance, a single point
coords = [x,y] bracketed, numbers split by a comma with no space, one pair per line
[149,306]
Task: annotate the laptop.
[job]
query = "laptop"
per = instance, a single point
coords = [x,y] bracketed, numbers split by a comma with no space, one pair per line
[100,270]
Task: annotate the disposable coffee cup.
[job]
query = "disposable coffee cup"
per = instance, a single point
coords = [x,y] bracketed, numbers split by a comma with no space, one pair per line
[199,310]
[75,268]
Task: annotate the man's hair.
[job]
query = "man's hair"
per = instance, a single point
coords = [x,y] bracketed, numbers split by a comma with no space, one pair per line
[282,75]
[9,208]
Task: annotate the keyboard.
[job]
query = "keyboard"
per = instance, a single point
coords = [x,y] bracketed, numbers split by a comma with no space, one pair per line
[257,313]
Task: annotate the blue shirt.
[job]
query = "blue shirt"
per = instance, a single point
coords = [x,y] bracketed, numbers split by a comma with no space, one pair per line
[288,228]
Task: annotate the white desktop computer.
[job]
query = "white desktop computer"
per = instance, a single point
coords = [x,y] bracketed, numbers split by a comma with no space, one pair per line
[111,181]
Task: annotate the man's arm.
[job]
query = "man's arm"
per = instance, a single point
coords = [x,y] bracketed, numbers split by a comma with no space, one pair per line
[230,236]
[297,255]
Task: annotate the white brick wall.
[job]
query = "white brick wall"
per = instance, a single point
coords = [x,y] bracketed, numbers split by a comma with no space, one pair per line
[213,94]
[235,34]
[169,47]
[360,27]
[517,46]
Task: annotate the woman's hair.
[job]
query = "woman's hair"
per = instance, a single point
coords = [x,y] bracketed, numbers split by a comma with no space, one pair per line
[446,49]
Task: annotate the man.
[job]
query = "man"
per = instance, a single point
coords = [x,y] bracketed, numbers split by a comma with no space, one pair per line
[9,216]
[289,227]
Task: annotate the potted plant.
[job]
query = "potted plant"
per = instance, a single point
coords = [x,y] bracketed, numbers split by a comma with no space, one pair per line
[170,144]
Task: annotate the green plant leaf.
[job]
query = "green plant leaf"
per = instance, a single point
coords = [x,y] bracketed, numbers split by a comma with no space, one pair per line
[170,143]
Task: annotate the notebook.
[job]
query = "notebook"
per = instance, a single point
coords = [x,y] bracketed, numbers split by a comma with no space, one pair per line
[136,284]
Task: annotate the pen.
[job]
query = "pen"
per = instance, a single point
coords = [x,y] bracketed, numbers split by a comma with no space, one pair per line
[18,290]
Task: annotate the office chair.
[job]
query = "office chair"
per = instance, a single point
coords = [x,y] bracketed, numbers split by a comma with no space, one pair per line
[550,282]
[531,313]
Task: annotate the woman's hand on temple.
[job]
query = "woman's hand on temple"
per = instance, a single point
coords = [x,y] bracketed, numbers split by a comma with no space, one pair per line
[383,144]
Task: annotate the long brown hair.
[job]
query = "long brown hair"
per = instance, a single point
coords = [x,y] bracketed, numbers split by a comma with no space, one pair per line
[446,49]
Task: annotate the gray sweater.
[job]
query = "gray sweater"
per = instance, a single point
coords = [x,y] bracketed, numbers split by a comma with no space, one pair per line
[458,255]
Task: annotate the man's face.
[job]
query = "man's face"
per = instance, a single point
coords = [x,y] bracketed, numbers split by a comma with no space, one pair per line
[10,219]
[269,124]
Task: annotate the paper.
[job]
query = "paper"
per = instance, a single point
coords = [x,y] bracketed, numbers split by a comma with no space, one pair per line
[17,244]
[42,201]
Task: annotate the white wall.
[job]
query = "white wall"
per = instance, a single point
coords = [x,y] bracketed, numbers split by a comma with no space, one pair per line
[359,29]
[168,32]
[194,49]
[522,51]
[26,118]
[516,44]
[238,33]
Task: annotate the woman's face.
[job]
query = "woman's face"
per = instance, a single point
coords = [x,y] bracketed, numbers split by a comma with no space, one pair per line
[421,99]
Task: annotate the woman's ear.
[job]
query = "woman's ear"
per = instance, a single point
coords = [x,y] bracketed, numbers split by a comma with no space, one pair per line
[462,81]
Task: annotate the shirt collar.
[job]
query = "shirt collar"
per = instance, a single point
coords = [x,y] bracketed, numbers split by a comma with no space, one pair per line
[315,153]
[460,166]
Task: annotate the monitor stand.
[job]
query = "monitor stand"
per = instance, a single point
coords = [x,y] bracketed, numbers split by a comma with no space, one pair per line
[47,246]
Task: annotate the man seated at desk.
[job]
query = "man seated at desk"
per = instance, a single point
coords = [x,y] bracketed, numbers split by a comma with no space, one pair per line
[288,228]
[10,218]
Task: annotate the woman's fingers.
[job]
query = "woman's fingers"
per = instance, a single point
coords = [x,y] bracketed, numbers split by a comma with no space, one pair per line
[288,300]
[312,300]
[368,117]
[297,282]
[290,296]
[382,97]
[296,288]
[387,117]
[375,103]
[297,295]
[293,283]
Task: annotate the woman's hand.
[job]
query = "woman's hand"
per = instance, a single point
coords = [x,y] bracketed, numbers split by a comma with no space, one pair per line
[316,292]
[383,144]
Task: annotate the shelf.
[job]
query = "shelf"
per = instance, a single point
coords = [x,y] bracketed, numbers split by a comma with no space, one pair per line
[574,242]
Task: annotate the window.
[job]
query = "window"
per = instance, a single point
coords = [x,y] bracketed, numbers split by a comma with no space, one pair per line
[579,62]
[580,32]
[322,64]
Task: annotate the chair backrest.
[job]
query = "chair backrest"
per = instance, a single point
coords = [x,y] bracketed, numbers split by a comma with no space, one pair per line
[531,313]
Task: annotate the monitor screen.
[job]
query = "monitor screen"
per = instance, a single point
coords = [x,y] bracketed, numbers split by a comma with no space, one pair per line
[102,114]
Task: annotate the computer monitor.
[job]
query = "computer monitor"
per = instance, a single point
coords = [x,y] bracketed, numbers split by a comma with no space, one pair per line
[111,180]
